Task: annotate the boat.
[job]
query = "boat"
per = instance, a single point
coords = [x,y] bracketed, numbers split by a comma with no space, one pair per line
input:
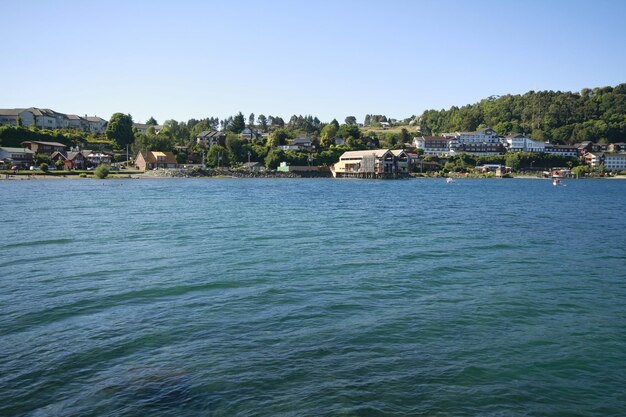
[556,182]
[449,181]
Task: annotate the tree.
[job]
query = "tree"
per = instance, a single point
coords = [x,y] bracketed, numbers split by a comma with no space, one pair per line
[120,129]
[19,122]
[277,138]
[351,120]
[273,158]
[251,120]
[218,156]
[348,130]
[328,134]
[102,171]
[234,144]
[263,122]
[152,121]
[238,124]
[513,160]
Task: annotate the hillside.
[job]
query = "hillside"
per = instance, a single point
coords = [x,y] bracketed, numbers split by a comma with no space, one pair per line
[597,115]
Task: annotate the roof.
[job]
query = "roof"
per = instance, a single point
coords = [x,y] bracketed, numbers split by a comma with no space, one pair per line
[10,112]
[431,138]
[94,119]
[298,141]
[378,153]
[73,117]
[151,156]
[210,134]
[16,150]
[45,143]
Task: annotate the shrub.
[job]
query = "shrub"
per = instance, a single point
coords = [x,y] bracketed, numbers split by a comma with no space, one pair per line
[102,171]
[43,167]
[82,175]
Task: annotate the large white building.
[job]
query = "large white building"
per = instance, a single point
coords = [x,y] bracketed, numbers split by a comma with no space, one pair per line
[50,119]
[522,143]
[613,161]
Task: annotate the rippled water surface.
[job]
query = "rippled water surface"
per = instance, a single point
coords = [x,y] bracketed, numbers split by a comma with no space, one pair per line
[312,297]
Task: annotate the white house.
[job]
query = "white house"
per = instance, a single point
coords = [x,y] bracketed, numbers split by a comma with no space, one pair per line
[433,145]
[50,119]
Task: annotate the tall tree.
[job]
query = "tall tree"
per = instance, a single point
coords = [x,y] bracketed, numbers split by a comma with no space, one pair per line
[251,120]
[263,122]
[152,121]
[238,124]
[120,129]
[351,120]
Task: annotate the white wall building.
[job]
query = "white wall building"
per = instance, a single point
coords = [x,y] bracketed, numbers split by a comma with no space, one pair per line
[522,143]
[50,119]
[613,161]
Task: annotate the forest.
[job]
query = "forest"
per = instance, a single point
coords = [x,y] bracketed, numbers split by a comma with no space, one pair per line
[597,115]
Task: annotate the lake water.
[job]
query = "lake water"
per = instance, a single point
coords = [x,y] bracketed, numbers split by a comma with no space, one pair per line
[313,297]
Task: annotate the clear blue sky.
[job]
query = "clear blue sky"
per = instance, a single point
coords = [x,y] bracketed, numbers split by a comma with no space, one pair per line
[331,59]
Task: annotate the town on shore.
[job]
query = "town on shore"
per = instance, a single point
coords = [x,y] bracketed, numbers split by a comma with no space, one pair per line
[34,140]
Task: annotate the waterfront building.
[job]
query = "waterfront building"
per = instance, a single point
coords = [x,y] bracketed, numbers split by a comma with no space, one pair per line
[562,150]
[432,145]
[19,157]
[522,143]
[481,142]
[613,161]
[44,147]
[154,160]
[371,163]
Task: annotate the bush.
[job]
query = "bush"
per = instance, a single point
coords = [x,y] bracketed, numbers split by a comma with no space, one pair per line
[43,167]
[82,175]
[102,171]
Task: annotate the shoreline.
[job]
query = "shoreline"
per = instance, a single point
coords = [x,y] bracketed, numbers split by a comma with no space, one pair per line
[150,176]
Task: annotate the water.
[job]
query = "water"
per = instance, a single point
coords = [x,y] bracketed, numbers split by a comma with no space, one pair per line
[312,297]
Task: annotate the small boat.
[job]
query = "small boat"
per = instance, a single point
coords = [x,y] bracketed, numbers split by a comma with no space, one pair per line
[556,182]
[449,181]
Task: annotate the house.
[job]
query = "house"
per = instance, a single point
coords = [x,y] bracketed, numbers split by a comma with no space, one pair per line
[254,166]
[142,128]
[211,137]
[44,147]
[522,143]
[617,147]
[370,164]
[155,159]
[249,134]
[20,157]
[299,145]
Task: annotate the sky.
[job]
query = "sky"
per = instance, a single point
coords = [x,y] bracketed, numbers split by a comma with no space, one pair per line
[330,59]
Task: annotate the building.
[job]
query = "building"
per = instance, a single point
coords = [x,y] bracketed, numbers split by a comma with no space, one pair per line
[154,160]
[522,143]
[142,128]
[299,145]
[562,150]
[211,137]
[19,157]
[50,119]
[482,142]
[378,163]
[433,145]
[613,161]
[44,147]
[249,134]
